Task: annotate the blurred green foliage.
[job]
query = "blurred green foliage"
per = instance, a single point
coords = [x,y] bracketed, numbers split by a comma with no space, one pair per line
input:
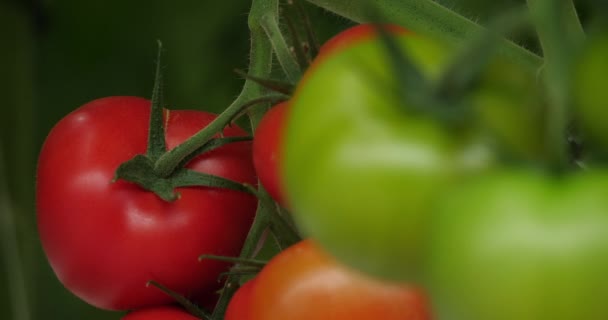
[56,55]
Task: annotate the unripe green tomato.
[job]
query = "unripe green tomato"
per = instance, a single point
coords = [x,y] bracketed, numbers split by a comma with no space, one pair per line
[510,107]
[521,245]
[361,170]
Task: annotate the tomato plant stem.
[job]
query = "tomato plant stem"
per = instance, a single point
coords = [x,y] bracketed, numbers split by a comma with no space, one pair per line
[283,230]
[167,163]
[560,32]
[156,134]
[258,228]
[260,66]
[425,17]
[285,57]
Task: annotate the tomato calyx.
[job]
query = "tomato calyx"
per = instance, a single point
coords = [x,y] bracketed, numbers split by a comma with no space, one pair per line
[143,170]
[140,170]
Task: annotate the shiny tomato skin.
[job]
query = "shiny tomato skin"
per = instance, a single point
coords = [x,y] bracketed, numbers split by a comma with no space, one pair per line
[105,240]
[159,313]
[303,283]
[240,305]
[267,151]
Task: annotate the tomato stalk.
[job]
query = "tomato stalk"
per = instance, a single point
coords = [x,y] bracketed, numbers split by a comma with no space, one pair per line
[260,67]
[300,47]
[425,17]
[267,217]
[255,235]
[313,44]
[142,169]
[284,231]
[285,57]
[156,136]
[560,33]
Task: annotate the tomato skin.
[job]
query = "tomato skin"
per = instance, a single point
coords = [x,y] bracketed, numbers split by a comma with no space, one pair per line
[358,166]
[159,313]
[267,144]
[521,245]
[303,283]
[106,240]
[240,305]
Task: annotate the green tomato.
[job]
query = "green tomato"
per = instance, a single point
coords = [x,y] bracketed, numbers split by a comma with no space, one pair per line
[590,94]
[519,245]
[511,110]
[360,170]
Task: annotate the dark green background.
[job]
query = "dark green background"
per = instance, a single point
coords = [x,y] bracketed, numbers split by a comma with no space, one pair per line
[58,54]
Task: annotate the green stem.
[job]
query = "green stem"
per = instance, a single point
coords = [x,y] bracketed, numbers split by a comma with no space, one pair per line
[559,31]
[169,161]
[258,228]
[156,134]
[285,57]
[285,232]
[574,26]
[425,17]
[260,66]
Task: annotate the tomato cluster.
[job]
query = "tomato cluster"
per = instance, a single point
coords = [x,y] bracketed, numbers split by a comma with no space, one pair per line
[471,208]
[412,203]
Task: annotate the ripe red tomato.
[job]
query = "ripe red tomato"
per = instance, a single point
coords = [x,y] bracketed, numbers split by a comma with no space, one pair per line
[106,240]
[240,304]
[267,150]
[355,34]
[303,283]
[159,313]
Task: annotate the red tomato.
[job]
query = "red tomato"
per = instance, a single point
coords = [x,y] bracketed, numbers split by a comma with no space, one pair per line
[266,150]
[303,283]
[240,304]
[159,313]
[355,34]
[106,240]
